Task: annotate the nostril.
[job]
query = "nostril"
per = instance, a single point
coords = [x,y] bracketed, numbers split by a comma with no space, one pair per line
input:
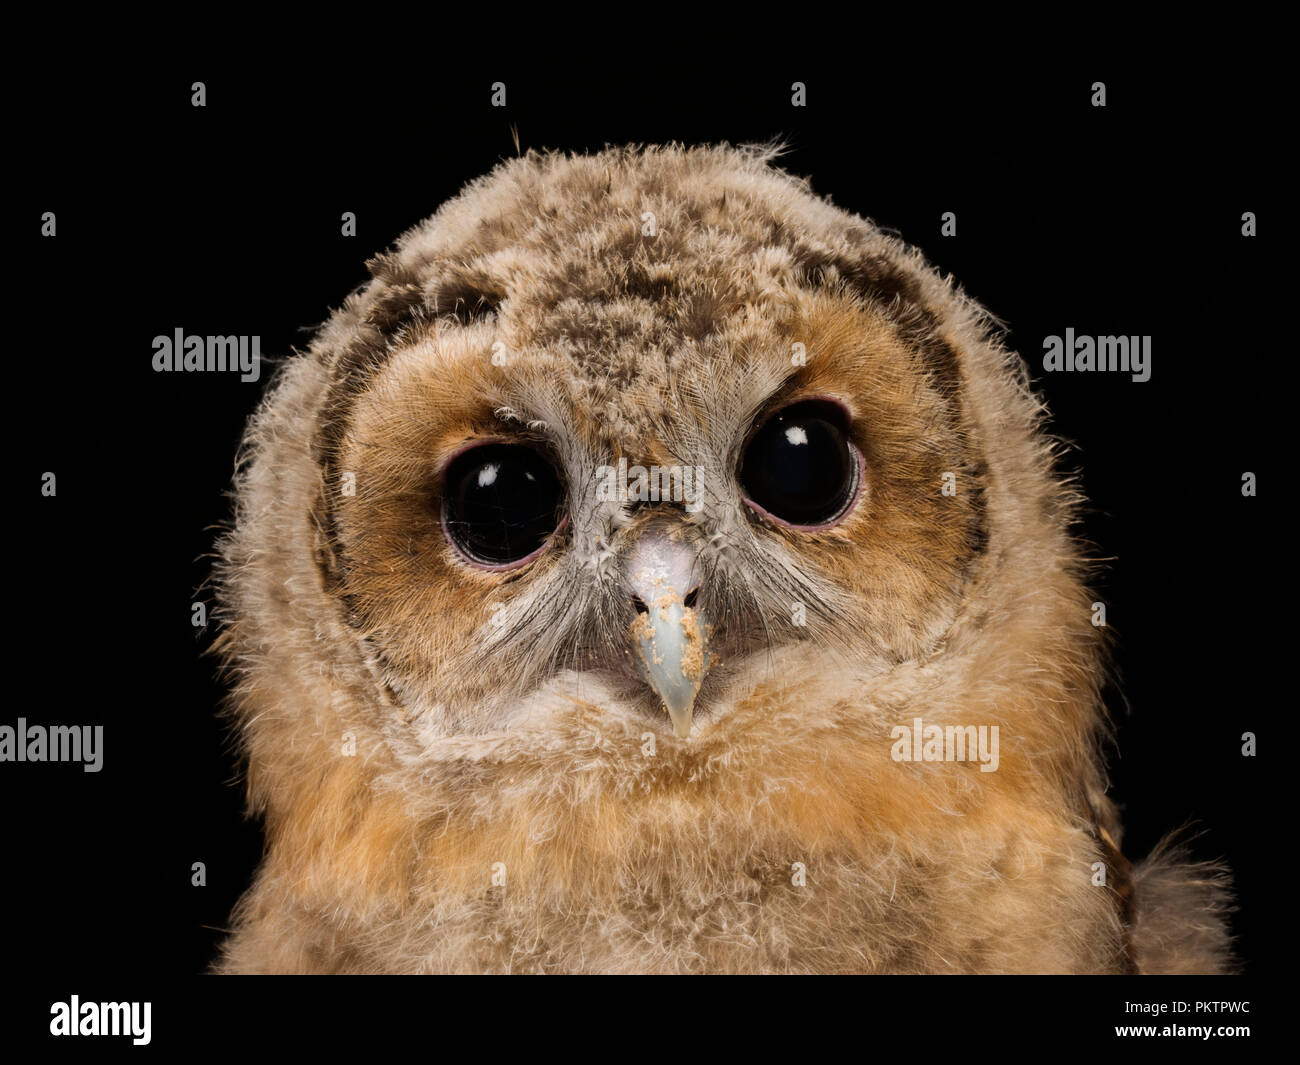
[689,601]
[639,603]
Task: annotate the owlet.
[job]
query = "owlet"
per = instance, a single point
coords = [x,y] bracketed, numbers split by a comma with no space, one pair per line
[655,568]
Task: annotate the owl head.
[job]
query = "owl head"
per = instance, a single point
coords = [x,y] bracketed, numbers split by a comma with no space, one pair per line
[588,565]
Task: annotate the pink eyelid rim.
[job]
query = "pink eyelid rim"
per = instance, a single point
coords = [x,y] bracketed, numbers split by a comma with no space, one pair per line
[858,461]
[446,533]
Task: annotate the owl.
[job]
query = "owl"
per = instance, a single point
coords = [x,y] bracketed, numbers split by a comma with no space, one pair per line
[656,569]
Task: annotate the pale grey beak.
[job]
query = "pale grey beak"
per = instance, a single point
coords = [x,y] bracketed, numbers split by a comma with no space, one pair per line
[671,638]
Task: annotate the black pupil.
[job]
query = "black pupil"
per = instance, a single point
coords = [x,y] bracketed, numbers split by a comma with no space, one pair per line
[798,466]
[501,502]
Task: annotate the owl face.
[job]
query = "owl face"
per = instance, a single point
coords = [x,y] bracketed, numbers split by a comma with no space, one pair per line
[588,563]
[498,547]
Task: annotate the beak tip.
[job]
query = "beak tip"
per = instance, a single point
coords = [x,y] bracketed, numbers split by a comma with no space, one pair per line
[681,722]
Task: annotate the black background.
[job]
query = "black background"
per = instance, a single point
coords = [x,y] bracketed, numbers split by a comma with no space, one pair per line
[226,220]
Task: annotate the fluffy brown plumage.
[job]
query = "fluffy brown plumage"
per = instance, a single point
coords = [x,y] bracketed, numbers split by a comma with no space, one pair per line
[459,769]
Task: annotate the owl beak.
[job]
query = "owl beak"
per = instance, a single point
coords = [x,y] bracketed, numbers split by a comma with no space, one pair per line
[670,636]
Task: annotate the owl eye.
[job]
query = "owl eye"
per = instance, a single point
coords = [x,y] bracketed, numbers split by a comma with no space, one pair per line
[800,467]
[500,504]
